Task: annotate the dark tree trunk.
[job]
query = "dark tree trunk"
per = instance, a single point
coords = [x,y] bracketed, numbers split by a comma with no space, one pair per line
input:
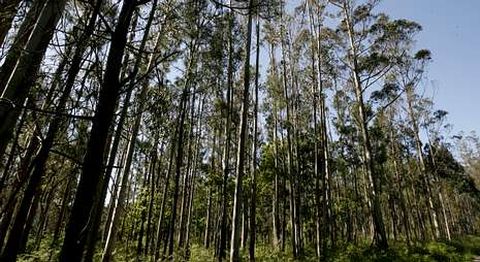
[92,170]
[8,10]
[20,41]
[178,168]
[22,79]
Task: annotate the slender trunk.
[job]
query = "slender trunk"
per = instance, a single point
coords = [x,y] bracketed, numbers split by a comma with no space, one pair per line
[92,170]
[244,230]
[380,237]
[153,176]
[61,214]
[186,180]
[193,177]
[438,188]
[8,10]
[119,206]
[164,200]
[11,157]
[290,164]
[399,180]
[23,77]
[178,167]
[253,194]
[236,217]
[22,37]
[143,213]
[316,88]
[425,174]
[206,239]
[275,219]
[226,150]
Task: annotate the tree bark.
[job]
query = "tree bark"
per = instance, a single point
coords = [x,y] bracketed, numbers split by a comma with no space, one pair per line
[8,10]
[237,200]
[253,194]
[380,236]
[79,222]
[18,45]
[119,204]
[26,68]
[226,150]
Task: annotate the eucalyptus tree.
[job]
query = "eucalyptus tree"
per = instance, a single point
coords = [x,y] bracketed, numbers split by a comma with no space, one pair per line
[37,167]
[19,42]
[236,217]
[7,14]
[75,236]
[22,75]
[161,93]
[119,205]
[371,43]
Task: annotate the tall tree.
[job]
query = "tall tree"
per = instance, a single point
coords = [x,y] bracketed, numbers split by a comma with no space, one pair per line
[21,80]
[78,225]
[237,204]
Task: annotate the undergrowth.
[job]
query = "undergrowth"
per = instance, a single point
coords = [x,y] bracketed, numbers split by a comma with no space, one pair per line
[459,249]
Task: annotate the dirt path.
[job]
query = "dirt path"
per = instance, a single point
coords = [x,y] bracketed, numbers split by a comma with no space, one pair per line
[476,259]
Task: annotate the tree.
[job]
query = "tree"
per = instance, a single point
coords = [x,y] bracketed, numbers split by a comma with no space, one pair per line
[237,205]
[22,78]
[75,236]
[122,144]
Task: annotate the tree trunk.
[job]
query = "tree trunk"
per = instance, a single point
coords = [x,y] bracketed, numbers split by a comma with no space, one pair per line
[206,239]
[226,150]
[79,225]
[426,176]
[61,214]
[153,177]
[37,167]
[253,194]
[8,10]
[178,167]
[236,217]
[119,206]
[164,200]
[23,77]
[186,180]
[18,46]
[380,236]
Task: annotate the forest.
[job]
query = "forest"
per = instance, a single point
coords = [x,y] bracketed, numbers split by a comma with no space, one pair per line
[240,130]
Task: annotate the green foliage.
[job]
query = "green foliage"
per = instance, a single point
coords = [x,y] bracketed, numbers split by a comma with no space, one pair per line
[462,249]
[45,252]
[199,254]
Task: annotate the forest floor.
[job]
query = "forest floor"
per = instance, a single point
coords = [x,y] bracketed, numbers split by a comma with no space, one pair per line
[463,249]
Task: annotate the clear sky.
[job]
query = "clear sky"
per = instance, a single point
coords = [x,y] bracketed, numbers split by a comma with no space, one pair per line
[451,30]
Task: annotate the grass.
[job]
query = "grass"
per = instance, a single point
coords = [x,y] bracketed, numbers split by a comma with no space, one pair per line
[460,249]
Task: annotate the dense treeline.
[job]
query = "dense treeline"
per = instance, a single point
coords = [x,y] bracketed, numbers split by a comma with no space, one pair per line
[143,128]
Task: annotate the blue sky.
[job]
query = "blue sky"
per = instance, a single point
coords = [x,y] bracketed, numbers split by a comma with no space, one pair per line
[451,30]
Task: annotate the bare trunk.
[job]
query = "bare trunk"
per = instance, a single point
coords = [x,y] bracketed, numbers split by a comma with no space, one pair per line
[23,77]
[226,150]
[380,236]
[8,10]
[92,170]
[119,206]
[21,39]
[253,207]
[237,205]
